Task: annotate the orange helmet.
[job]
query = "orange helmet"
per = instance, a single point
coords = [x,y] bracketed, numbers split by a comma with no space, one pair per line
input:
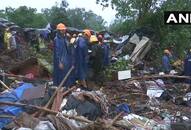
[61,26]
[87,32]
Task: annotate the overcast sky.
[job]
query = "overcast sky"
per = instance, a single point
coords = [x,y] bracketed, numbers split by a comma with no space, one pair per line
[108,14]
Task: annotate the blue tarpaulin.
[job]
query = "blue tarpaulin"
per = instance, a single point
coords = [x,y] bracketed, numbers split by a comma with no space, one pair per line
[12,96]
[123,108]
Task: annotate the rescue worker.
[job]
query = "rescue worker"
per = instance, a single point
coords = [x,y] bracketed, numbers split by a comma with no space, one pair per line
[61,56]
[96,58]
[81,57]
[187,66]
[166,66]
[13,43]
[7,36]
[105,48]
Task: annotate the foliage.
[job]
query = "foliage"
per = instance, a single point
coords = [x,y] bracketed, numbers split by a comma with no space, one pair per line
[57,14]
[29,17]
[25,17]
[150,13]
[80,18]
[115,67]
[120,27]
[132,8]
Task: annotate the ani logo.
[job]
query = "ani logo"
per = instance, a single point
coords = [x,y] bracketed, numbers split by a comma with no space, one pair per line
[177,17]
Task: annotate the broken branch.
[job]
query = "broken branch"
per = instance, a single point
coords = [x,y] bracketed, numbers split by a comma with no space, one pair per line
[4,85]
[45,110]
[57,89]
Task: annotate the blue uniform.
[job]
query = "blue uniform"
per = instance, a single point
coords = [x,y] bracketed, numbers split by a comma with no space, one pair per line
[61,55]
[106,55]
[166,64]
[81,58]
[187,67]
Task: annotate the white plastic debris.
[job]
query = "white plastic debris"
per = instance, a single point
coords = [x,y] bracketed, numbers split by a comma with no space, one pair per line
[187,97]
[154,92]
[44,125]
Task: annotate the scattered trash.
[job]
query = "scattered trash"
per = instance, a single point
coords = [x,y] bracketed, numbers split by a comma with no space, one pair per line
[44,125]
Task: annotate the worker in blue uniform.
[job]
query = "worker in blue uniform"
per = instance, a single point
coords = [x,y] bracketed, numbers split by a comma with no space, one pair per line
[105,48]
[166,65]
[62,61]
[81,57]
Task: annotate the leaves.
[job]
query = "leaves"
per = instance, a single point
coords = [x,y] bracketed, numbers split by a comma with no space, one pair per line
[28,17]
[80,18]
[115,67]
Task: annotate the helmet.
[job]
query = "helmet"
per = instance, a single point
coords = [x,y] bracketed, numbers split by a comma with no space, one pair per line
[166,51]
[61,26]
[93,39]
[87,32]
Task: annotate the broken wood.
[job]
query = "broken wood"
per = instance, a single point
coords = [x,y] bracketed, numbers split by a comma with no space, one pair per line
[45,110]
[4,85]
[159,76]
[77,118]
[57,89]
[128,94]
[116,118]
[20,77]
[13,75]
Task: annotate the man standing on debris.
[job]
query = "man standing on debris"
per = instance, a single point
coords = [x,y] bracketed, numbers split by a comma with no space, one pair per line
[81,57]
[105,48]
[61,55]
[7,36]
[166,62]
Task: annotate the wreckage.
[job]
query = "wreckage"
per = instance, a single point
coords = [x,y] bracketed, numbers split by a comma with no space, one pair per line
[134,46]
[29,101]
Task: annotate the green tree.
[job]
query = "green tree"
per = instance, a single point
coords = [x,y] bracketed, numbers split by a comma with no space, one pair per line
[57,14]
[94,21]
[151,13]
[121,27]
[137,9]
[2,14]
[80,18]
[25,17]
[76,17]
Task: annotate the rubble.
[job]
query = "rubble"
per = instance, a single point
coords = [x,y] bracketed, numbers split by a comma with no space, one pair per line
[136,100]
[141,109]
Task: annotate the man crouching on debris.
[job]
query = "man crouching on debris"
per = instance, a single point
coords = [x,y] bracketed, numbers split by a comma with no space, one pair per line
[166,66]
[61,55]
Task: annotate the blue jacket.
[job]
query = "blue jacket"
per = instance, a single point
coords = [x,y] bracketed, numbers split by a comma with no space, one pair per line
[81,58]
[106,54]
[166,64]
[61,55]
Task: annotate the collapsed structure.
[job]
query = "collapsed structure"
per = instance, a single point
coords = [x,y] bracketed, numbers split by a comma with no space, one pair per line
[28,100]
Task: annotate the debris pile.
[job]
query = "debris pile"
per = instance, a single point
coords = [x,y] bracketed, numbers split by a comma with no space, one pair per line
[30,101]
[131,104]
